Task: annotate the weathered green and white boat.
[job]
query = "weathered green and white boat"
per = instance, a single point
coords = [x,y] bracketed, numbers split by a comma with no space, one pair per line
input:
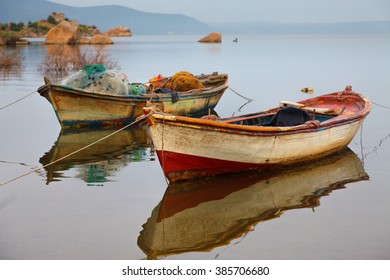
[81,108]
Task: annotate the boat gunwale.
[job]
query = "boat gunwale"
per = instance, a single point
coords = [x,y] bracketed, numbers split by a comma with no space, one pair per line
[166,97]
[207,124]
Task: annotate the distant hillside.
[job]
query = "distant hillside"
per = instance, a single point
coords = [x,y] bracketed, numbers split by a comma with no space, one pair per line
[106,17]
[103,17]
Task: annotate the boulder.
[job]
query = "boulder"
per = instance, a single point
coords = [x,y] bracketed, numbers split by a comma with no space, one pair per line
[214,37]
[67,32]
[83,41]
[101,39]
[58,17]
[119,31]
[2,42]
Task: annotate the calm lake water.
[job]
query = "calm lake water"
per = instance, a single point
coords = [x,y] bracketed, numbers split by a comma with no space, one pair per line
[113,202]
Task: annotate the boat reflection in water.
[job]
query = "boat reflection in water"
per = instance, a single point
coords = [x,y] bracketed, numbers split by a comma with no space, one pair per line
[99,161]
[202,215]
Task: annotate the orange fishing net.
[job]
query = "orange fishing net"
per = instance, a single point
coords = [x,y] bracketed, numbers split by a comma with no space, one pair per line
[181,81]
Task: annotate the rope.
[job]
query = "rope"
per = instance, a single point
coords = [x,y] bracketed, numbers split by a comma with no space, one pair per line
[249,99]
[17,163]
[383,106]
[1,108]
[75,152]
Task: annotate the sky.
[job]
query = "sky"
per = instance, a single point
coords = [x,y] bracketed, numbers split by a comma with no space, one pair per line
[215,11]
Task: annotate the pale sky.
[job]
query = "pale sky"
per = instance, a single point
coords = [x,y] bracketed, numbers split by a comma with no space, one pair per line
[214,11]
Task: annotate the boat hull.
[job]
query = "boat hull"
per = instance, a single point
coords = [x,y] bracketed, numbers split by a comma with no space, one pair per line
[184,153]
[76,108]
[191,148]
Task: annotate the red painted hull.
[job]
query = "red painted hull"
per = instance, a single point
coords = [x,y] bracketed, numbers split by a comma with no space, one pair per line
[178,167]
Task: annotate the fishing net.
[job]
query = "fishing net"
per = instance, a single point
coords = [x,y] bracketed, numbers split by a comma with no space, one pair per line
[96,78]
[184,81]
[180,81]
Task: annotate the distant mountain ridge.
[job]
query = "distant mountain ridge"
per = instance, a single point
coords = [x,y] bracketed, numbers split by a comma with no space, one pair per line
[103,17]
[144,23]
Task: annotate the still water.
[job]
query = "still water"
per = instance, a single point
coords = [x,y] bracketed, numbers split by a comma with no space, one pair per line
[112,201]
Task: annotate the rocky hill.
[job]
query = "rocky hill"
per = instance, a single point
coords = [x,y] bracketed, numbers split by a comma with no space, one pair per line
[103,17]
[41,27]
[58,30]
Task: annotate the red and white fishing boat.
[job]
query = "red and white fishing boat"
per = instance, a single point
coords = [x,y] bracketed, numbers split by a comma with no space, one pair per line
[190,148]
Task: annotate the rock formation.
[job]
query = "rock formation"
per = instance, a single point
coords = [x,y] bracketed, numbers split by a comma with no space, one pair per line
[58,17]
[67,32]
[101,39]
[119,31]
[211,38]
[83,41]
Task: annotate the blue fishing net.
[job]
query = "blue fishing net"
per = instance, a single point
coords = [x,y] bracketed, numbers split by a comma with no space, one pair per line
[92,73]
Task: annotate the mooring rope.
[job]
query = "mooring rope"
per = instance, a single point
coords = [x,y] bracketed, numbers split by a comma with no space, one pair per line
[75,152]
[383,106]
[16,101]
[249,99]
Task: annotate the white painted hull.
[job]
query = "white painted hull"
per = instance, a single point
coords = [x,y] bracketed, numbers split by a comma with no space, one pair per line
[257,149]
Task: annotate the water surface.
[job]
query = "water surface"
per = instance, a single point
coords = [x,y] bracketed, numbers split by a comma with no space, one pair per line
[112,201]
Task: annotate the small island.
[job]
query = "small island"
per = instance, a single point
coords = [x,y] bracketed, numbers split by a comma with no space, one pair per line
[58,30]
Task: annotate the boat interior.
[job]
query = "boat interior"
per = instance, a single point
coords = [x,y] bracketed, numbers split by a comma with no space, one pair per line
[286,116]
